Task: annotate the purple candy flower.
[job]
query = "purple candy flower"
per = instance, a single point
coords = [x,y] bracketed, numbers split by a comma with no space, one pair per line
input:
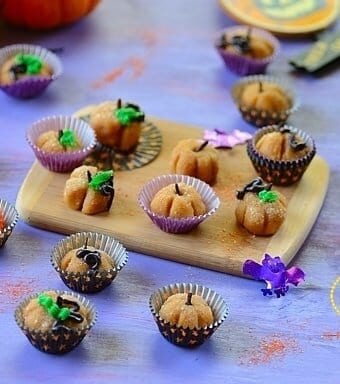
[274,273]
[222,139]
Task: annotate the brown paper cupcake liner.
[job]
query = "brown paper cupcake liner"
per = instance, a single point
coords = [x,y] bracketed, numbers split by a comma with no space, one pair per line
[10,217]
[282,173]
[60,341]
[186,337]
[175,225]
[66,161]
[242,65]
[35,85]
[91,281]
[260,118]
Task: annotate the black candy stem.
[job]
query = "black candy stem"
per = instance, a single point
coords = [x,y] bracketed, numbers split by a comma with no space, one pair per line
[202,146]
[178,192]
[260,86]
[188,302]
[89,177]
[86,241]
[119,103]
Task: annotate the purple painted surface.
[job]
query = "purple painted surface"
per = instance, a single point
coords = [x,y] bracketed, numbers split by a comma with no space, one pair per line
[161,55]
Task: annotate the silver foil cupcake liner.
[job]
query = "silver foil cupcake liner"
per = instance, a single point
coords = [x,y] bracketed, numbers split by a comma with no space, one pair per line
[242,65]
[10,217]
[174,225]
[65,161]
[91,281]
[35,85]
[58,341]
[285,172]
[186,337]
[257,117]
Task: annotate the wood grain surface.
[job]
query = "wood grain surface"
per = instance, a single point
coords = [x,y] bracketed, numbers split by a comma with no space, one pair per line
[219,243]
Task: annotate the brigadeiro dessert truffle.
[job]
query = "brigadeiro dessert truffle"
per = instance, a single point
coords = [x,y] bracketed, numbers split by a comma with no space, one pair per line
[187,314]
[195,158]
[26,70]
[264,100]
[55,321]
[118,125]
[246,50]
[88,261]
[89,190]
[281,154]
[260,209]
[61,143]
[178,203]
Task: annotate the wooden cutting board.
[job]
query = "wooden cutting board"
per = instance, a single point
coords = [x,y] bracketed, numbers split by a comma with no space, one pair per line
[218,243]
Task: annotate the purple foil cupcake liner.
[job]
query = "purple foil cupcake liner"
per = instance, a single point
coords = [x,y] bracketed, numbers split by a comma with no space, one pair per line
[89,282]
[283,172]
[186,337]
[260,118]
[66,161]
[35,85]
[10,217]
[174,225]
[63,340]
[242,65]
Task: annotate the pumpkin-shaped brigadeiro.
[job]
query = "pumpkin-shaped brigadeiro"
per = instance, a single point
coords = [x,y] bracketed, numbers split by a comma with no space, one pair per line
[58,141]
[187,310]
[178,200]
[265,96]
[89,190]
[195,158]
[260,210]
[22,66]
[118,125]
[282,144]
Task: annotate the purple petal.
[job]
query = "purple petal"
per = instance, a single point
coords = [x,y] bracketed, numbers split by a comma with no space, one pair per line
[295,275]
[253,269]
[221,139]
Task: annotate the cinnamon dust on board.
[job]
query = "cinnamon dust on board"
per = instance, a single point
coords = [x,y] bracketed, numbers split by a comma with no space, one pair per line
[11,292]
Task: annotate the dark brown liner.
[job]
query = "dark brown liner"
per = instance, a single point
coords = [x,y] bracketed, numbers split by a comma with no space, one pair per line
[89,282]
[281,173]
[186,337]
[10,217]
[260,118]
[56,342]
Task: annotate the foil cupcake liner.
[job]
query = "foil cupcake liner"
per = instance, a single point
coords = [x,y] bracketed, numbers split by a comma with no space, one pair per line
[66,161]
[186,337]
[10,217]
[89,282]
[285,172]
[257,117]
[60,341]
[32,86]
[174,225]
[242,65]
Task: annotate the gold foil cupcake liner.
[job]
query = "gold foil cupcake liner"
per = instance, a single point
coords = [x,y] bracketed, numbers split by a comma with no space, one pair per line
[278,172]
[90,281]
[10,217]
[186,337]
[58,341]
[257,117]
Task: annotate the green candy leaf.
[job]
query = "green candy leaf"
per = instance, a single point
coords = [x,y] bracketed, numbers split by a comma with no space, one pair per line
[99,179]
[32,62]
[268,196]
[67,138]
[64,313]
[127,115]
[53,309]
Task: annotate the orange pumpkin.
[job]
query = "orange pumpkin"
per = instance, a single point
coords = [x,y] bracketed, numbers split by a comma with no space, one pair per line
[42,14]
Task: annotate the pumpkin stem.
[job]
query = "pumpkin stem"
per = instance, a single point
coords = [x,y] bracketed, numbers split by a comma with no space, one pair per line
[188,302]
[119,103]
[89,177]
[60,133]
[178,192]
[202,146]
[260,86]
[86,241]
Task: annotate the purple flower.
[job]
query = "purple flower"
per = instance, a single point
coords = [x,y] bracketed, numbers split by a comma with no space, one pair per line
[221,139]
[274,273]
